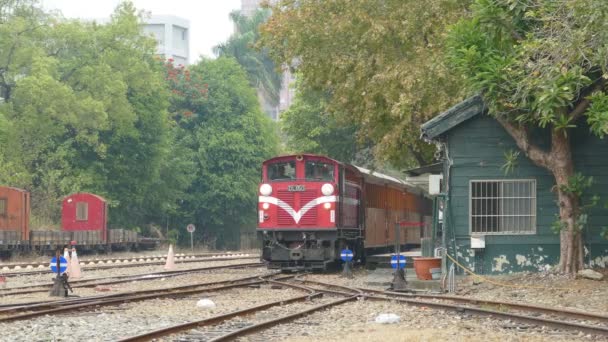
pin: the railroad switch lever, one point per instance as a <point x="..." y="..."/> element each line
<point x="66" y="284"/>
<point x="399" y="283"/>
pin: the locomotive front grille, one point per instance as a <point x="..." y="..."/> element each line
<point x="297" y="200"/>
<point x="283" y="217"/>
<point x="310" y="218"/>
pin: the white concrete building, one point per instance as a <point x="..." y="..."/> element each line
<point x="172" y="35"/>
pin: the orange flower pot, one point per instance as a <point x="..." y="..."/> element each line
<point x="423" y="266"/>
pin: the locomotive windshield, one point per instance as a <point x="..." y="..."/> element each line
<point x="282" y="170"/>
<point x="319" y="171"/>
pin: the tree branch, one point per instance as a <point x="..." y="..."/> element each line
<point x="417" y="155"/>
<point x="582" y="106"/>
<point x="520" y="135"/>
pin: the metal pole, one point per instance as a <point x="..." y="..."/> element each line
<point x="397" y="247"/>
<point x="58" y="257"/>
<point x="444" y="230"/>
<point x="399" y="282"/>
<point x="192" y="241"/>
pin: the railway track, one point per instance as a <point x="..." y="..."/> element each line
<point x="45" y="263"/>
<point x="112" y="280"/>
<point x="566" y="319"/>
<point x="229" y="326"/>
<point x="16" y="312"/>
<point x="100" y="265"/>
<point x="232" y="325"/>
<point x="156" y="257"/>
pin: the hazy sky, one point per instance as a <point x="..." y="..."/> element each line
<point x="209" y="21"/>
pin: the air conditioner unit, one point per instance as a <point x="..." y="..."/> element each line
<point x="435" y="184"/>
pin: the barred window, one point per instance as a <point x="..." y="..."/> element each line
<point x="82" y="211"/>
<point x="3" y="208"/>
<point x="503" y="207"/>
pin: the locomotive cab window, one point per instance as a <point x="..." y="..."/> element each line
<point x="82" y="211"/>
<point x="319" y="171"/>
<point x="3" y="207"/>
<point x="282" y="171"/>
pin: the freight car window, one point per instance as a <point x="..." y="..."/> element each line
<point x="2" y="206"/>
<point x="282" y="171"/>
<point x="316" y="170"/>
<point x="82" y="211"/>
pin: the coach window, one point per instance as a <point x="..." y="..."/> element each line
<point x="320" y="171"/>
<point x="282" y="170"/>
<point x="82" y="211"/>
<point x="2" y="206"/>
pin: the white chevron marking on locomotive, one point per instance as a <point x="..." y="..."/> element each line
<point x="297" y="215"/>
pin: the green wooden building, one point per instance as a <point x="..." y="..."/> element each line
<point x="497" y="222"/>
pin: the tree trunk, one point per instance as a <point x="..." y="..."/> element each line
<point x="559" y="162"/>
<point x="571" y="244"/>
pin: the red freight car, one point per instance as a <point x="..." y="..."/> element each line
<point x="85" y="215"/>
<point x="311" y="207"/>
<point x="14" y="217"/>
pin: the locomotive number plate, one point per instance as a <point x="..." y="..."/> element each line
<point x="296" y="188"/>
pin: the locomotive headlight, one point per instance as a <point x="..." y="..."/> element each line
<point x="327" y="189"/>
<point x="327" y="205"/>
<point x="265" y="206"/>
<point x="265" y="189"/>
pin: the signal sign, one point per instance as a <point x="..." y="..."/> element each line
<point x="63" y="265"/>
<point x="190" y="228"/>
<point x="346" y="255"/>
<point x="398" y="261"/>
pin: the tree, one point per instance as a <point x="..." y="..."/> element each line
<point x="309" y="128"/>
<point x="541" y="64"/>
<point x="86" y="106"/>
<point x="228" y="137"/>
<point x="379" y="61"/>
<point x="261" y="70"/>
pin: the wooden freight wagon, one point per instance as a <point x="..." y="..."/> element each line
<point x="49" y="239"/>
<point x="14" y="214"/>
<point x="388" y="200"/>
<point x="85" y="212"/>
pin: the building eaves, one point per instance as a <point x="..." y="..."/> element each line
<point x="452" y="117"/>
<point x="434" y="169"/>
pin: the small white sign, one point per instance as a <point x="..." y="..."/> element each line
<point x="190" y="228"/>
<point x="478" y="242"/>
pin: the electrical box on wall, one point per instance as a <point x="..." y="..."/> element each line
<point x="478" y="242"/>
<point x="435" y="184"/>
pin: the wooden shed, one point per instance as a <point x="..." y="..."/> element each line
<point x="84" y="212"/>
<point x="14" y="214"/>
<point x="497" y="222"/>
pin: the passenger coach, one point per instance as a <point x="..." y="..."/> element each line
<point x="311" y="207"/>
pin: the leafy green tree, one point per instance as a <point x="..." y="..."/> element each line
<point x="228" y="138"/>
<point x="309" y="128"/>
<point x="86" y="106"/>
<point x="541" y="63"/>
<point x="261" y="70"/>
<point x="380" y="62"/>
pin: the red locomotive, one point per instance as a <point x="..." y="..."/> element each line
<point x="311" y="207"/>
